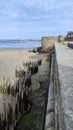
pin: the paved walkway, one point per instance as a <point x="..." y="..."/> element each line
<point x="64" y="57"/>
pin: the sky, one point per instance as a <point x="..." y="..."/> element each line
<point x="32" y="19"/>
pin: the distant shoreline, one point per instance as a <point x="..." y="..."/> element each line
<point x="16" y="41"/>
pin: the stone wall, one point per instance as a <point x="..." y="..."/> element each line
<point x="61" y="38"/>
<point x="48" y="41"/>
<point x="50" y="111"/>
<point x="59" y="112"/>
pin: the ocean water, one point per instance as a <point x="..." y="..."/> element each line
<point x="19" y="44"/>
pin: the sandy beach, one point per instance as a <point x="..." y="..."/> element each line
<point x="10" y="59"/>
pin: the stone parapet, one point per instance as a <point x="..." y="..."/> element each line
<point x="70" y="45"/>
<point x="50" y="111"/>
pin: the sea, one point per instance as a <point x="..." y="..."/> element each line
<point x="25" y="45"/>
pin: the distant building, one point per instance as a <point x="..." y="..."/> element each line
<point x="69" y="36"/>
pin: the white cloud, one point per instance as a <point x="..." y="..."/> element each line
<point x="13" y="14"/>
<point x="44" y="8"/>
<point x="48" y="4"/>
<point x="56" y="13"/>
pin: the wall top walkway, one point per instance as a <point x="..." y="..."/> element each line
<point x="64" y="57"/>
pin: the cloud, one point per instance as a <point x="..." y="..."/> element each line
<point x="43" y="9"/>
<point x="41" y="16"/>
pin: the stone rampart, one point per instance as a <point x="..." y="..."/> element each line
<point x="61" y="38"/>
<point x="48" y="41"/>
<point x="60" y="94"/>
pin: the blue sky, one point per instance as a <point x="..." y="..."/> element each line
<point x="32" y="19"/>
